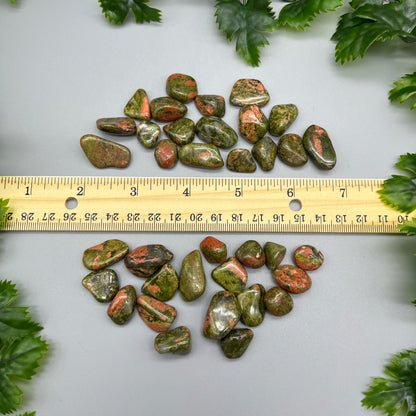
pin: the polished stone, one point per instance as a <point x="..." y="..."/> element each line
<point x="176" y="341"/>
<point x="241" y="160"/>
<point x="214" y="130"/>
<point x="249" y="91"/>
<point x="166" y="154"/>
<point x="102" y="284"/>
<point x="122" y="126"/>
<point x="147" y="133"/>
<point x="138" y="106"/>
<point x="308" y="257"/>
<point x="122" y="306"/>
<point x="319" y="147"/>
<point x="163" y="284"/>
<point x="104" y="254"/>
<point x="210" y="105"/>
<point x="181" y="131"/>
<point x="192" y="279"/>
<point x="264" y="153"/>
<point x="235" y="344"/>
<point x="231" y="275"/>
<point x="292" y="278"/>
<point x="252" y="123"/>
<point x="167" y="109"/>
<point x="275" y="253"/>
<point x="214" y="250"/>
<point x="157" y="315"/>
<point x="281" y="117"/>
<point x="251" y="305"/>
<point x="291" y="151"/>
<point x="251" y="254"/>
<point x="201" y="155"/>
<point x="277" y="301"/>
<point x="181" y="87"/>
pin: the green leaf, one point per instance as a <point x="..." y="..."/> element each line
<point x="246" y="22"/>
<point x="3" y="208"/>
<point x="408" y="163"/>
<point x="408" y="227"/>
<point x="116" y="11"/>
<point x="300" y="13"/>
<point x="389" y="395"/>
<point x="15" y="322"/>
<point x="399" y="192"/>
<point x="18" y="359"/>
<point x="358" y="30"/>
<point x="404" y="89"/>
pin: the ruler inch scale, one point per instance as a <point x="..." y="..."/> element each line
<point x="173" y="204"/>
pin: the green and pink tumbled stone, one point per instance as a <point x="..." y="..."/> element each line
<point x="157" y="315"/>
<point x="138" y="106"/>
<point x="292" y="278"/>
<point x="274" y="254"/>
<point x="214" y="250"/>
<point x="291" y="151"/>
<point x="277" y="301"/>
<point x="308" y="258"/>
<point x="253" y="123"/>
<point x="201" y="155"/>
<point x="249" y="91"/>
<point x="235" y="344"/>
<point x="181" y="87"/>
<point x="167" y="109"/>
<point x="319" y="146"/>
<point x="231" y="275"/>
<point x="210" y="105"/>
<point x="264" y="153"/>
<point x="166" y="153"/>
<point x="104" y="254"/>
<point x="240" y="160"/>
<point x="251" y="254"/>
<point x="281" y="117"/>
<point x="122" y="126"/>
<point x="122" y="306"/>
<point x="181" y="131"/>
<point x="251" y="305"/>
<point x="192" y="279"/>
<point x="222" y="315"/>
<point x="214" y="130"/>
<point x="102" y="284"/>
<point x="148" y="133"/>
<point x="103" y="153"/>
<point x="176" y="341"/>
<point x="163" y="284"/>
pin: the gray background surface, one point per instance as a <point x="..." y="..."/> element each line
<point x="62" y="67"/>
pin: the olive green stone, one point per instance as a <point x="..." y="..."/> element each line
<point x="192" y="276"/>
<point x="177" y="341"/>
<point x="148" y="133"/>
<point x="166" y="153"/>
<point x="253" y="123"/>
<point x="102" y="284"/>
<point x="235" y="344"/>
<point x="123" y="126"/>
<point x="251" y="254"/>
<point x="201" y="155"/>
<point x="181" y="131"/>
<point x="240" y="160"/>
<point x="163" y="284"/>
<point x="308" y="257"/>
<point x="251" y="305"/>
<point x="216" y="131"/>
<point x="138" y="106"/>
<point x="231" y="275"/>
<point x="291" y="151"/>
<point x="122" y="306"/>
<point x="167" y="109"/>
<point x="214" y="250"/>
<point x="277" y="301"/>
<point x="181" y="87"/>
<point x="222" y="315"/>
<point x="104" y="254"/>
<point x="157" y="315"/>
<point x="274" y="254"/>
<point x="249" y="91"/>
<point x="281" y="117"/>
<point x="210" y="105"/>
<point x="264" y="153"/>
<point x="319" y="146"/>
<point x="103" y="153"/>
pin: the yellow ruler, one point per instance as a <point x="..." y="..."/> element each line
<point x="46" y="203"/>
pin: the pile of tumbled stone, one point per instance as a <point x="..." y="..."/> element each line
<point x="249" y="94"/>
<point x="227" y="307"/>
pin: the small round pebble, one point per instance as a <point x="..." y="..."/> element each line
<point x="308" y="258"/>
<point x="251" y="254"/>
<point x="166" y="154"/>
<point x="214" y="250"/>
<point x="277" y="301"/>
<point x="292" y="278"/>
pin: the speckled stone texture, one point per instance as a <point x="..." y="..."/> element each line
<point x="275" y="253"/>
<point x="249" y="91"/>
<point x="122" y="126"/>
<point x="192" y="276"/>
<point x="201" y="155"/>
<point x="251" y="254"/>
<point x="181" y="131"/>
<point x="181" y="87"/>
<point x="148" y="133"/>
<point x="251" y="305"/>
<point x="122" y="306"/>
<point x="157" y="315"/>
<point x="138" y="106"/>
<point x="210" y="105"/>
<point x="231" y="275"/>
<point x="319" y="147"/>
<point x="308" y="257"/>
<point x="167" y="109"/>
<point x="252" y="123"/>
<point x="291" y="151"/>
<point x="102" y="284"/>
<point x="235" y="344"/>
<point x="281" y="117"/>
<point x="104" y="254"/>
<point x="176" y="341"/>
<point x="277" y="301"/>
<point x="214" y="250"/>
<point x="292" y="278"/>
<point x="216" y="131"/>
<point x="240" y="160"/>
<point x="166" y="154"/>
<point x="264" y="153"/>
<point x="163" y="284"/>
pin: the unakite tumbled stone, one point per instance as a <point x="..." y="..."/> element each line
<point x="231" y="275"/>
<point x="249" y="91"/>
<point x="277" y="301"/>
<point x="145" y="260"/>
<point x="122" y="306"/>
<point x="292" y="278"/>
<point x="166" y="154"/>
<point x="251" y="254"/>
<point x="157" y="315"/>
<point x="104" y="254"/>
<point x="308" y="257"/>
<point x="214" y="250"/>
<point x="216" y="131"/>
<point x="192" y="276"/>
<point x="177" y="341"/>
<point x="138" y="106"/>
<point x="210" y="105"/>
<point x="274" y="254"/>
<point x="253" y="123"/>
<point x="103" y="153"/>
<point x="235" y="344"/>
<point x="181" y="131"/>
<point x="264" y="152"/>
<point x="122" y="126"/>
<point x="240" y="160"/>
<point x="291" y="151"/>
<point x="201" y="155"/>
<point x="319" y="146"/>
<point x="148" y="133"/>
<point x="163" y="284"/>
<point x="281" y="117"/>
<point x="102" y="284"/>
<point x="251" y="305"/>
<point x="181" y="87"/>
<point x="167" y="109"/>
<point x="222" y="315"/>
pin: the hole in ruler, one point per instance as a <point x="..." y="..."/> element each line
<point x="71" y="203"/>
<point x="295" y="205"/>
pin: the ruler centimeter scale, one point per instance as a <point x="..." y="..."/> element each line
<point x="62" y="203"/>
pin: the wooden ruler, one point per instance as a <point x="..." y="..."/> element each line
<point x="39" y="203"/>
